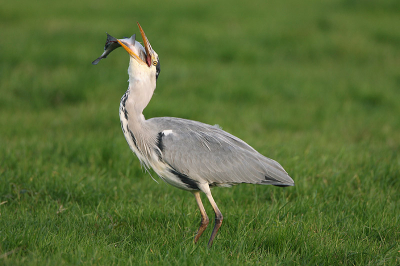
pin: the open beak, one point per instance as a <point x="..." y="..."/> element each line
<point x="150" y="57"/>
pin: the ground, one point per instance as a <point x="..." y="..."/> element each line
<point x="314" y="85"/>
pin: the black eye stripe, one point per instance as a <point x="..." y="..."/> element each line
<point x="158" y="68"/>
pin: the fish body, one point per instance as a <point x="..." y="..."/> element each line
<point x="111" y="44"/>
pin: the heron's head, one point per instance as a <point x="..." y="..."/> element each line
<point x="144" y="60"/>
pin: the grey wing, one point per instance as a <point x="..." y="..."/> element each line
<point x="208" y="154"/>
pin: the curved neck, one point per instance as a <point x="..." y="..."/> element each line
<point x="141" y="88"/>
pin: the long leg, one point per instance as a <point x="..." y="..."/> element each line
<point x="204" y="217"/>
<point x="218" y="218"/>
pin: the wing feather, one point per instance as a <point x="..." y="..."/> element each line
<point x="208" y="154"/>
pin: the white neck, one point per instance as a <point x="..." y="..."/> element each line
<point x="139" y="93"/>
<point x="141" y="88"/>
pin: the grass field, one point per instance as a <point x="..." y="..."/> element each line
<point x="314" y="85"/>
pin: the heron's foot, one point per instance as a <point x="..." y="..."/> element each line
<point x="203" y="226"/>
<point x="218" y="222"/>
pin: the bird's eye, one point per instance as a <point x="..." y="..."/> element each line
<point x="154" y="63"/>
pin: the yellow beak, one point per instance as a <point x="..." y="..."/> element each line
<point x="149" y="51"/>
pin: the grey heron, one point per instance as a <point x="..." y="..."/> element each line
<point x="187" y="154"/>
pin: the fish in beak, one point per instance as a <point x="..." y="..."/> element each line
<point x="145" y="56"/>
<point x="150" y="57"/>
<point x="111" y="44"/>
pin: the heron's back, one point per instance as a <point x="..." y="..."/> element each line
<point x="206" y="154"/>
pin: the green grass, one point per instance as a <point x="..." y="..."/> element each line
<point x="312" y="84"/>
